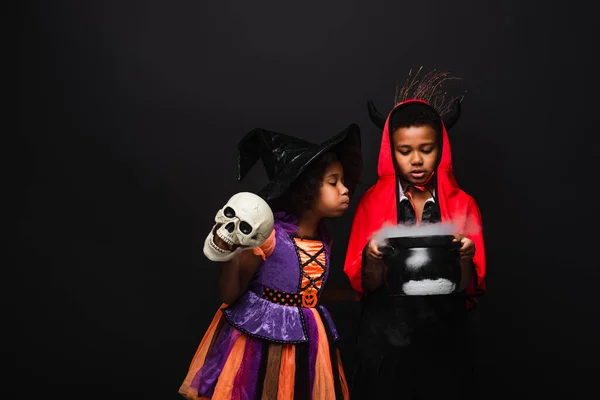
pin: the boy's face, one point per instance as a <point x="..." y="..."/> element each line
<point x="415" y="152"/>
<point x="333" y="199"/>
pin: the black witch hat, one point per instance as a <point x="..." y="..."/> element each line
<point x="429" y="89"/>
<point x="286" y="157"/>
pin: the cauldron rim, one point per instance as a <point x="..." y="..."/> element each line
<point x="406" y="242"/>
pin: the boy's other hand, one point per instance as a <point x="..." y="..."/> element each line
<point x="467" y="250"/>
<point x="373" y="249"/>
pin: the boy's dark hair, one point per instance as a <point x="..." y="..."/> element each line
<point x="416" y="114"/>
<point x="304" y="190"/>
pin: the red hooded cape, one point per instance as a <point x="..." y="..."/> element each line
<point x="378" y="207"/>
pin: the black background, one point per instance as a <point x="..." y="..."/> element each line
<point x="128" y="117"/>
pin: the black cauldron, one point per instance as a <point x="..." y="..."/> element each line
<point x="422" y="265"/>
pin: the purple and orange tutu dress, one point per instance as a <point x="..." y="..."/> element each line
<point x="276" y="341"/>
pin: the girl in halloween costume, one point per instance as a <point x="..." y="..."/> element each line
<point x="414" y="346"/>
<point x="272" y="339"/>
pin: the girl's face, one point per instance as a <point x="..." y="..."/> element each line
<point x="333" y="198"/>
<point x="415" y="152"/>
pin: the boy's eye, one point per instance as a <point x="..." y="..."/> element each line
<point x="333" y="183"/>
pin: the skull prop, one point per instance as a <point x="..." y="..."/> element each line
<point x="245" y="222"/>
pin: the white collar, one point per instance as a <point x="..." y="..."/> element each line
<point x="402" y="196"/>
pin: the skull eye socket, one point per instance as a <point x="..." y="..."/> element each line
<point x="245" y="228"/>
<point x="228" y="212"/>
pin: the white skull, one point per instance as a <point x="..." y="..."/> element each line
<point x="245" y="222"/>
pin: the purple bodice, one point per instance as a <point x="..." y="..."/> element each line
<point x="261" y="318"/>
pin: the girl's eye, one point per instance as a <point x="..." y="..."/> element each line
<point x="404" y="153"/>
<point x="427" y="151"/>
<point x="333" y="183"/>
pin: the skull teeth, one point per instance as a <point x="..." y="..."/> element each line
<point x="217" y="248"/>
<point x="225" y="239"/>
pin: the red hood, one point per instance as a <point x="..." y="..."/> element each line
<point x="378" y="207"/>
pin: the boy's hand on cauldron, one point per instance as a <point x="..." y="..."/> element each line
<point x="373" y="249"/>
<point x="467" y="250"/>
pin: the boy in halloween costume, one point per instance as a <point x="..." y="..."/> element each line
<point x="272" y="339"/>
<point x="414" y="346"/>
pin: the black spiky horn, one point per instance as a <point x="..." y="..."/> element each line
<point x="451" y="117"/>
<point x="375" y="116"/>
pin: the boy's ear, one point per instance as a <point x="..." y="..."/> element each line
<point x="376" y="118"/>
<point x="452" y="116"/>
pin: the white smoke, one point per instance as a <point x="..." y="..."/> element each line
<point x="416" y="260"/>
<point x="428" y="287"/>
<point x="414" y="231"/>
